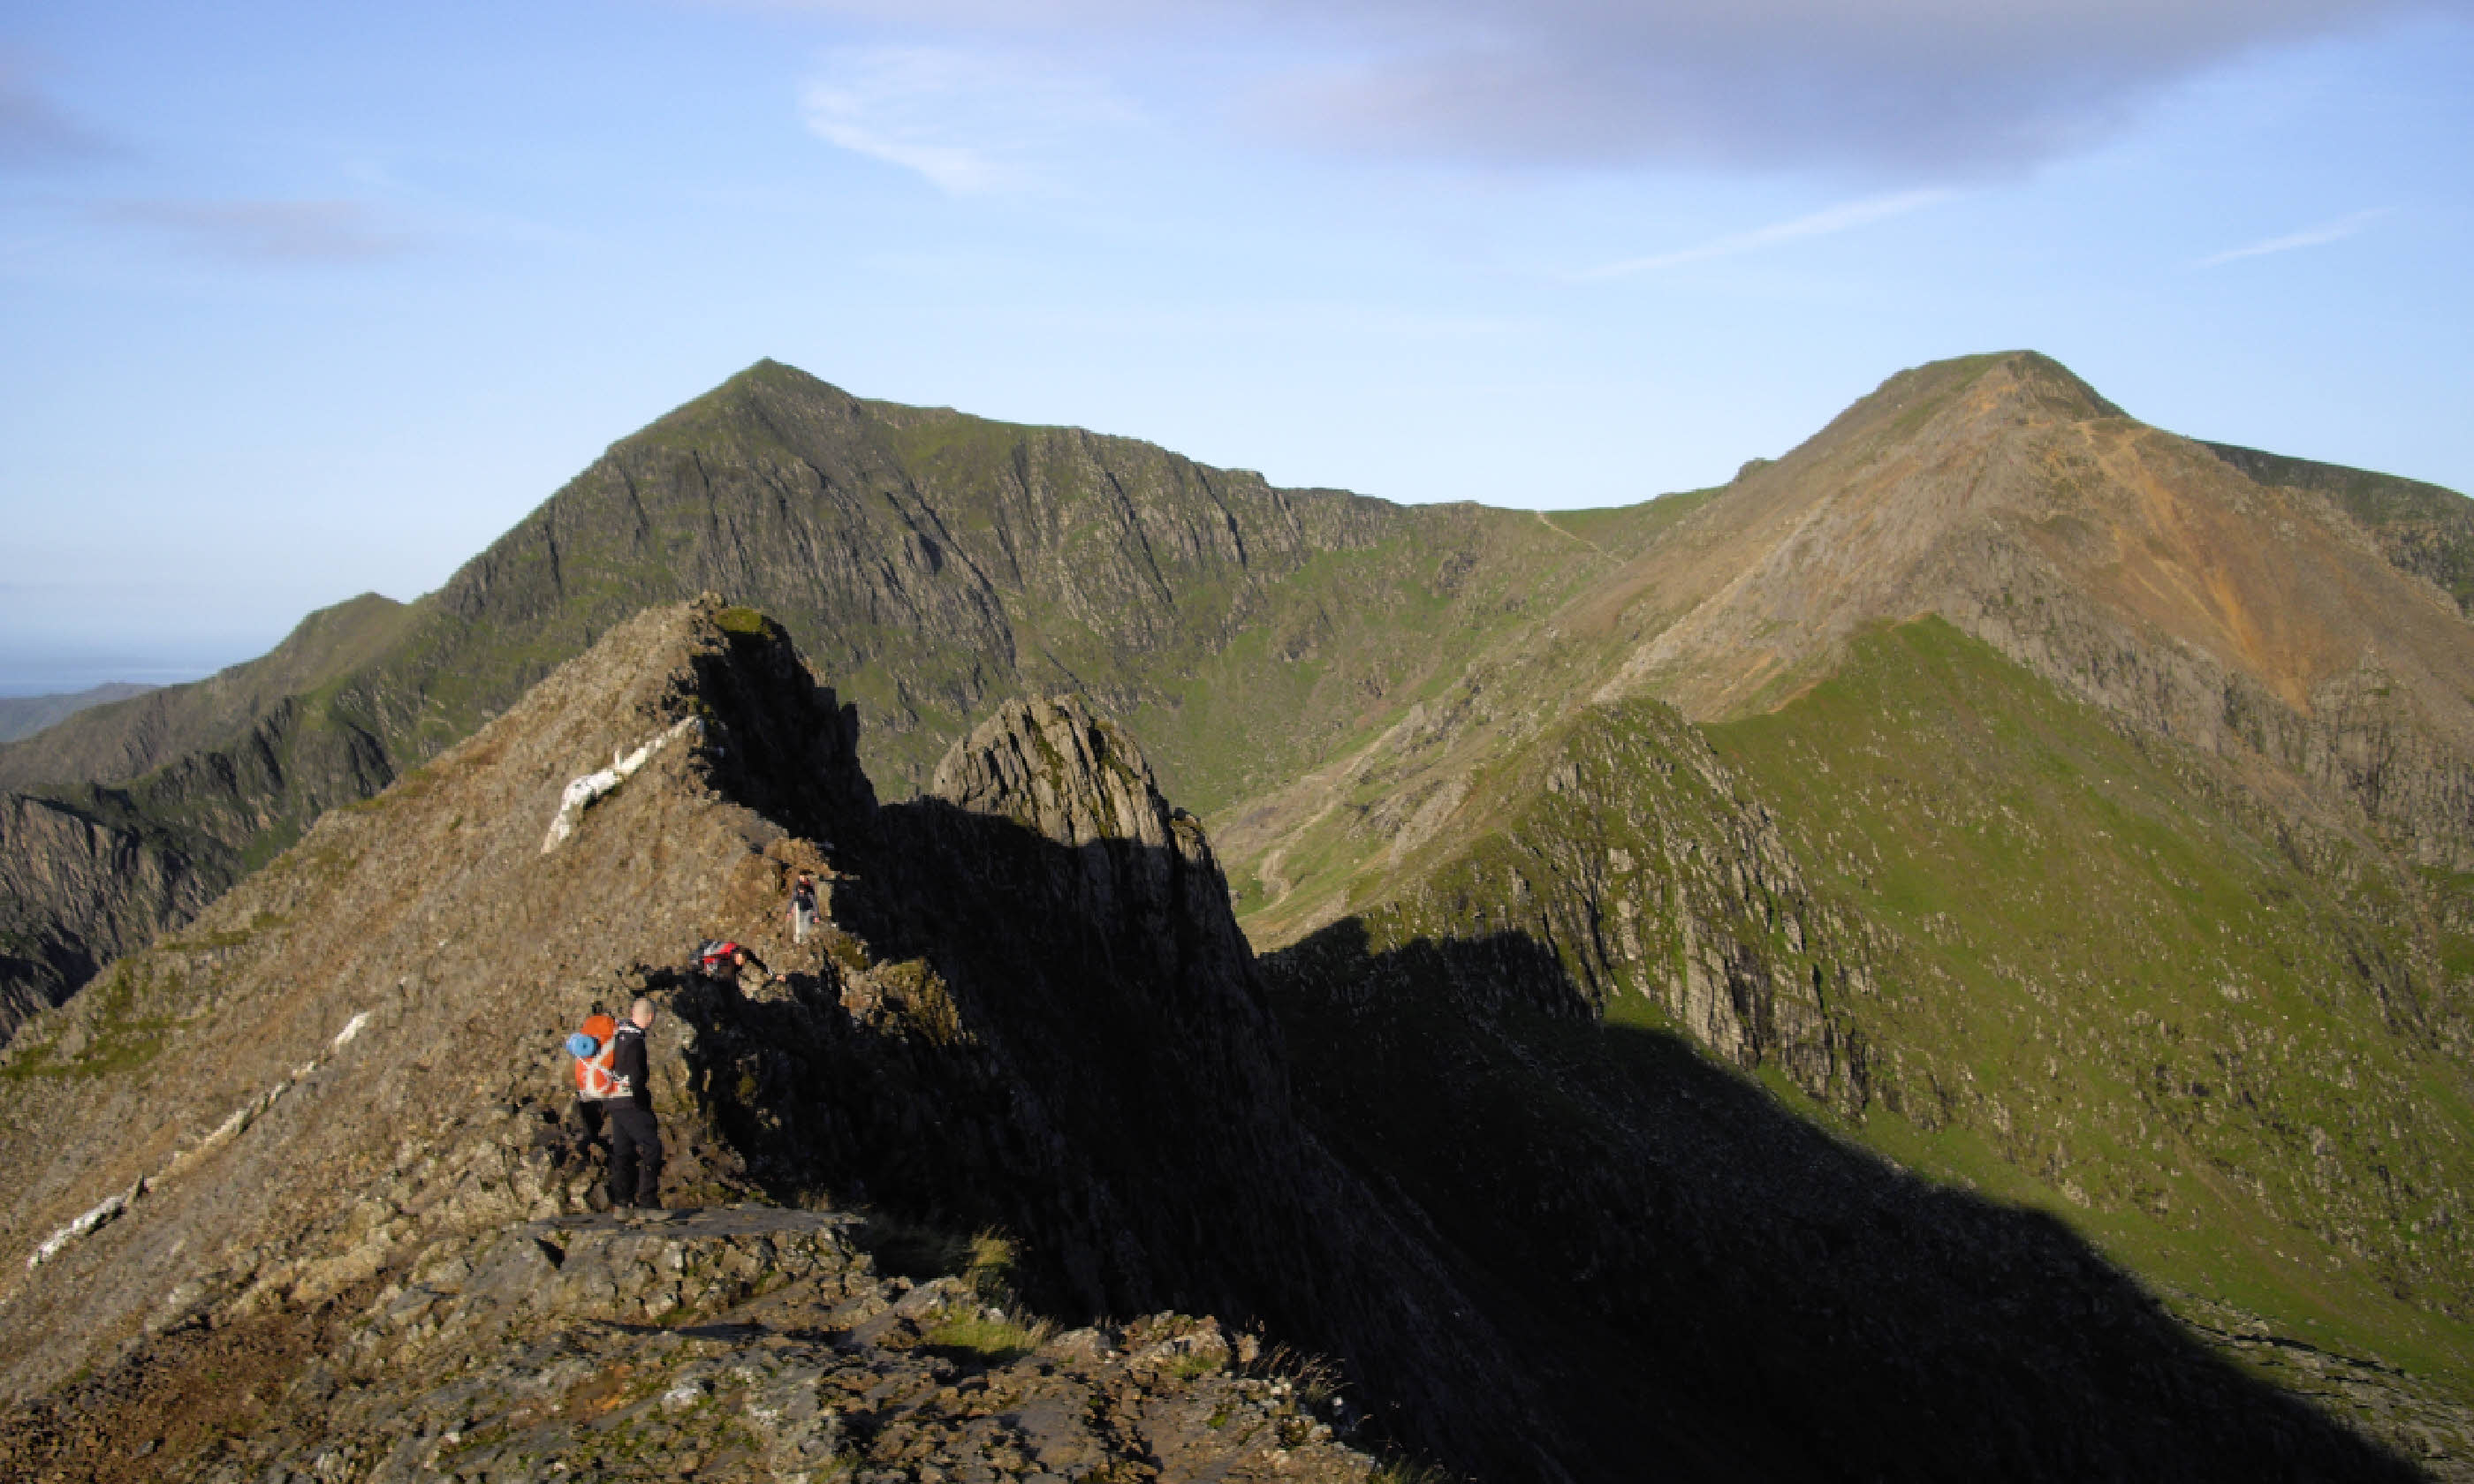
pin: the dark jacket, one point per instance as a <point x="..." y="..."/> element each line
<point x="627" y="1060"/>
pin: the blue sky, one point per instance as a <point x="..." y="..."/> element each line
<point x="305" y="300"/>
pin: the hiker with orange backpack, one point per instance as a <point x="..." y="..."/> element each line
<point x="614" y="1084"/>
<point x="596" y="1084"/>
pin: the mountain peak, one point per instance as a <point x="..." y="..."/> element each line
<point x="2011" y="387"/>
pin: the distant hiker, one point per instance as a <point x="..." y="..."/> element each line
<point x="635" y="1138"/>
<point x="753" y="976"/>
<point x="724" y="962"/>
<point x="596" y="1082"/>
<point x="803" y="907"/>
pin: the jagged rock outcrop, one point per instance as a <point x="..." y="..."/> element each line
<point x="1074" y="779"/>
<point x="344" y="1082"/>
<point x="276" y="1161"/>
<point x="1642" y="866"/>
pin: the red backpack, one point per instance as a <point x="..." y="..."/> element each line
<point x="595" y="1081"/>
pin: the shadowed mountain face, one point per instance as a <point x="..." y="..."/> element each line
<point x="319" y="1138"/>
<point x="1730" y="1290"/>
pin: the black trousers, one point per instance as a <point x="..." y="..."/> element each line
<point x="635" y="1154"/>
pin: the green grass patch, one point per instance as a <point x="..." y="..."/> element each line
<point x="745" y="622"/>
<point x="989" y="1341"/>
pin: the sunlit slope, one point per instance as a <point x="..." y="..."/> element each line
<point x="2291" y="628"/>
<point x="2138" y="570"/>
<point x="2240" y="1046"/>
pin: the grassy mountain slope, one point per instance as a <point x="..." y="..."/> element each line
<point x="2244" y="1052"/>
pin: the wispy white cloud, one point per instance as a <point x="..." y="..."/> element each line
<point x="1844" y="217"/>
<point x="267" y="231"/>
<point x="2336" y="230"/>
<point x="1913" y="90"/>
<point x="971" y="122"/>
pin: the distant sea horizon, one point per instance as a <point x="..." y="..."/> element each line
<point x="19" y="682"/>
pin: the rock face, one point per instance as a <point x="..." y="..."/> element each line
<point x="1088" y="1062"/>
<point x="342" y="1057"/>
<point x="1644" y="867"/>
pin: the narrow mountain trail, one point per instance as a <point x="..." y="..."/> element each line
<point x="1317" y="795"/>
<point x="1576" y="537"/>
<point x="1268" y="872"/>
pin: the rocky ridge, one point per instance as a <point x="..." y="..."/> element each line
<point x="306" y="1126"/>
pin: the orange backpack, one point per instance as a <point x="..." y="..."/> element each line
<point x="595" y="1081"/>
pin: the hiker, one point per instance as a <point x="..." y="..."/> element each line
<point x="634" y="1138"/>
<point x="723" y="962"/>
<point x="753" y="975"/>
<point x="595" y="1082"/>
<point x="803" y="907"/>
